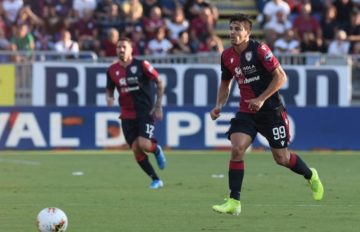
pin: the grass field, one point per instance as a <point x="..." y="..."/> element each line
<point x="113" y="193"/>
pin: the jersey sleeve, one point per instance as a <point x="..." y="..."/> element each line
<point x="109" y="82"/>
<point x="225" y="73"/>
<point x="149" y="71"/>
<point x="267" y="58"/>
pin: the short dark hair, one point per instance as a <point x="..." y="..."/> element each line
<point x="124" y="38"/>
<point x="242" y="18"/>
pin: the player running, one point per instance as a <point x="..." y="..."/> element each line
<point x="132" y="78"/>
<point x="259" y="77"/>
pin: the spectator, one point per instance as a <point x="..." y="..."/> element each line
<point x="339" y="46"/>
<point x="177" y="24"/>
<point x="182" y="44"/>
<point x="5" y="45"/>
<point x="356" y="51"/>
<point x="354" y="31"/>
<point x="87" y="33"/>
<point x="82" y="6"/>
<point x="26" y="16"/>
<point x="274" y="29"/>
<point x="23" y="41"/>
<point x="328" y="25"/>
<point x="4" y="26"/>
<point x="212" y="44"/>
<point x="287" y="44"/>
<point x="160" y="45"/>
<point x="148" y="5"/>
<point x="201" y="27"/>
<point x="168" y="7"/>
<point x="60" y="10"/>
<point x="193" y="9"/>
<point x="112" y="19"/>
<point x="4" y="42"/>
<point x="108" y="45"/>
<point x="138" y="40"/>
<point x="308" y="43"/>
<point x="10" y="10"/>
<point x="305" y="22"/>
<point x="344" y="9"/>
<point x="102" y="9"/>
<point x="132" y="9"/>
<point x="66" y="44"/>
<point x="38" y="6"/>
<point x="154" y="22"/>
<point x="272" y="7"/>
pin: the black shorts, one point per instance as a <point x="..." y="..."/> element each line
<point x="273" y="125"/>
<point x="133" y="128"/>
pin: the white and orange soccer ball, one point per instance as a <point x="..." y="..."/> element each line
<point x="51" y="220"/>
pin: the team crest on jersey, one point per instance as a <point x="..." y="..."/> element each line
<point x="133" y="69"/>
<point x="248" y="56"/>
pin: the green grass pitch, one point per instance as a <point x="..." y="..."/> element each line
<point x="113" y="193"/>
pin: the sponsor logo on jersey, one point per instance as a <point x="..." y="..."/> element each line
<point x="132" y="80"/>
<point x="129" y="89"/>
<point x="241" y="81"/>
<point x="249" y="69"/>
<point x="232" y="60"/>
<point x="117" y="73"/>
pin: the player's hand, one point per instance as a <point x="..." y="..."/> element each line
<point x="157" y="113"/>
<point x="255" y="104"/>
<point x="215" y="113"/>
<point x="110" y="101"/>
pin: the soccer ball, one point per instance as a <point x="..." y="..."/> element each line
<point x="51" y="220"/>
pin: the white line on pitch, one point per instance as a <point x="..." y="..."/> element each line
<point x="13" y="161"/>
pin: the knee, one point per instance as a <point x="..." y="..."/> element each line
<point x="238" y="151"/>
<point x="281" y="160"/>
<point x="142" y="145"/>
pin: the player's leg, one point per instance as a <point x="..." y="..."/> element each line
<point x="275" y="127"/>
<point x="148" y="143"/>
<point x="239" y="144"/>
<point x="151" y="145"/>
<point x="143" y="161"/>
<point x="130" y="130"/>
<point x="241" y="134"/>
<point x="296" y="164"/>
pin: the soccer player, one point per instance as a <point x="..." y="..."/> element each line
<point x="259" y="77"/>
<point x="133" y="78"/>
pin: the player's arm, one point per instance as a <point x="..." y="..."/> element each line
<point x="157" y="111"/>
<point x="278" y="80"/>
<point x="222" y="96"/>
<point x="151" y="73"/>
<point x="278" y="77"/>
<point x="110" y="87"/>
<point x="223" y="91"/>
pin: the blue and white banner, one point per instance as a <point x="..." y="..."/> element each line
<point x="83" y="84"/>
<point x="38" y="128"/>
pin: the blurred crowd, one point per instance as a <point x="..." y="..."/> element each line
<point x="156" y="27"/>
<point x="326" y="26"/>
<point x="160" y="27"/>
